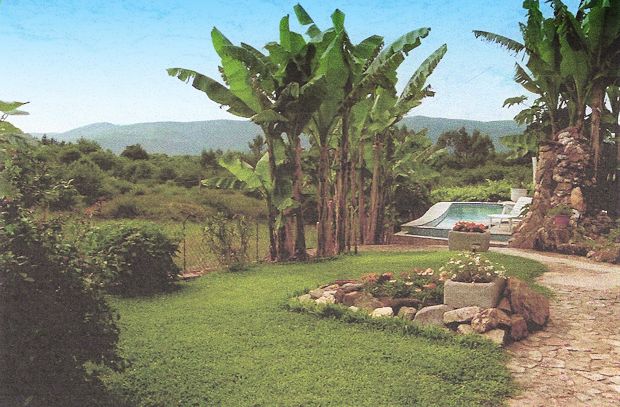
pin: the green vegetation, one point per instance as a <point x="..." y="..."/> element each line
<point x="227" y="339"/>
<point x="57" y="330"/>
<point x="133" y="259"/>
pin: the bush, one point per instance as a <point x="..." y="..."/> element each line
<point x="87" y="179"/>
<point x="228" y="239"/>
<point x="137" y="259"/>
<point x="492" y="191"/>
<point x="56" y="329"/>
<point x="62" y="197"/>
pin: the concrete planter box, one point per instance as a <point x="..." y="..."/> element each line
<point x="469" y="241"/>
<point x="483" y="295"/>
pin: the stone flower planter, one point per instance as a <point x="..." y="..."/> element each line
<point x="483" y="295"/>
<point x="469" y="241"/>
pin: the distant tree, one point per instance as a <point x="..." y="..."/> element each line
<point x="208" y="159"/>
<point x="465" y="151"/>
<point x="106" y="160"/>
<point x="135" y="152"/>
<point x="87" y="146"/>
<point x="257" y="147"/>
<point x="69" y="154"/>
<point x="87" y="178"/>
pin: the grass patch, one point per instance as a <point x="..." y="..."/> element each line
<point x="227" y="339"/>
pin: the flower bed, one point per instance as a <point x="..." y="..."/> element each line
<point x="424" y="296"/>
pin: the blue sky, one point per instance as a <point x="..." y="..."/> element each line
<point x="81" y="61"/>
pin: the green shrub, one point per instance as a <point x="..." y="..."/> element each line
<point x="62" y="197"/>
<point x="491" y="191"/>
<point x="57" y="331"/>
<point x="87" y="178"/>
<point x="137" y="259"/>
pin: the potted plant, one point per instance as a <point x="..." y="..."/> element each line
<point x="518" y="191"/>
<point x="561" y="215"/>
<point x="469" y="236"/>
<point x="472" y="280"/>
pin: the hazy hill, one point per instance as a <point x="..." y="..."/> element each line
<point x="191" y="137"/>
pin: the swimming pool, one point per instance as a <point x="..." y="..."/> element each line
<point x="441" y="217"/>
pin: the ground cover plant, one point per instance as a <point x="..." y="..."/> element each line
<point x="226" y="339"/>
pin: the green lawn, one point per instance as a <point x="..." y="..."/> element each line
<point x="226" y="339"/>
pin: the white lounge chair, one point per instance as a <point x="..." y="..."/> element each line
<point x="514" y="214"/>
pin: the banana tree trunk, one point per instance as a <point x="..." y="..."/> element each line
<point x="374" y="192"/>
<point x="280" y="237"/>
<point x="361" y="205"/>
<point x="342" y="185"/>
<point x="324" y="227"/>
<point x="271" y="225"/>
<point x="352" y="230"/>
<point x="300" y="237"/>
<point x="596" y="105"/>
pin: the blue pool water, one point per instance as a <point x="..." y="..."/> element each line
<point x="439" y="224"/>
<point x="472" y="212"/>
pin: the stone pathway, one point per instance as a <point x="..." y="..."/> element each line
<point x="575" y="361"/>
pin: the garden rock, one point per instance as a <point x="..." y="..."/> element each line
<point x="496" y="335"/>
<point x="432" y="315"/>
<point x="504" y="305"/>
<point x="488" y="319"/>
<point x="353" y="308"/>
<point x="398" y="303"/>
<point x="305" y="298"/>
<point x="382" y="312"/>
<point x="407" y="313"/>
<point x="339" y="296"/>
<point x="316" y="293"/>
<point x="533" y="307"/>
<point x="465" y="329"/>
<point x="518" y="327"/>
<point x="460" y="315"/>
<point x="350" y="287"/>
<point x="326" y="299"/>
<point x="350" y="298"/>
<point x="362" y="300"/>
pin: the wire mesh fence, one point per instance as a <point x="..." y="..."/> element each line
<point x="195" y="256"/>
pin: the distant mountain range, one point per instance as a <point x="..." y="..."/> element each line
<point x="175" y="138"/>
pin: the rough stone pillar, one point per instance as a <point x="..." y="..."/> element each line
<point x="564" y="176"/>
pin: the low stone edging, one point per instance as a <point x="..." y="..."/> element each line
<point x="519" y="312"/>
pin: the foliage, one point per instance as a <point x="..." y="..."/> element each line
<point x="136" y="259"/>
<point x="562" y="209"/>
<point x="57" y="330"/>
<point x="469" y="267"/>
<point x="491" y="191"/>
<point x="421" y="284"/>
<point x="135" y="152"/>
<point x="229" y="239"/>
<point x="87" y="178"/>
<point x="471" y="227"/>
<point x="464" y="150"/>
<point x="284" y="358"/>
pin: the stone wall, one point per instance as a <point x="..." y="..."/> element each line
<point x="564" y="176"/>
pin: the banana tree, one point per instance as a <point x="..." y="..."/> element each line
<point x="10" y="109"/>
<point x="590" y="48"/>
<point x="275" y="92"/>
<point x="353" y="72"/>
<point x="386" y="111"/>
